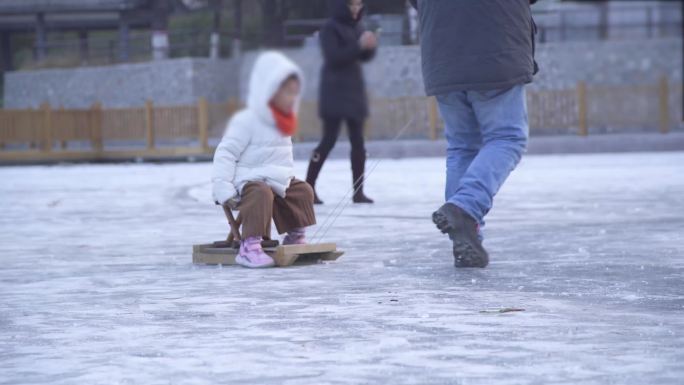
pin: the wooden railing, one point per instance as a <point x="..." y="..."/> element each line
<point x="101" y="134"/>
<point x="153" y="131"/>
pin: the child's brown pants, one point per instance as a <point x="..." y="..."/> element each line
<point x="259" y="204"/>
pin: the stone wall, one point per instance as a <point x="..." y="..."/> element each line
<point x="168" y="82"/>
<point x="627" y="62"/>
<point x="394" y="73"/>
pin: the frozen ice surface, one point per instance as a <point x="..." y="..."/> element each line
<point x="96" y="284"/>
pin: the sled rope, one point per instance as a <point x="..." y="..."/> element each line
<point x="332" y="217"/>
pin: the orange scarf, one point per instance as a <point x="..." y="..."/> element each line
<point x="287" y="123"/>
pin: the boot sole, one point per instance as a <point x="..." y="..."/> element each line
<point x="465" y="255"/>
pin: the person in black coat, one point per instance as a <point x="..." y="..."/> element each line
<point x="342" y="92"/>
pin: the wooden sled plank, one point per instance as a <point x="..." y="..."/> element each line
<point x="210" y="255"/>
<point x="284" y="256"/>
<point x="312" y="259"/>
<point x="287" y="255"/>
<point x="332" y="256"/>
<point x="236" y="244"/>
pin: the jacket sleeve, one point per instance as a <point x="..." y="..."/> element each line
<point x="336" y="54"/>
<point x="227" y="154"/>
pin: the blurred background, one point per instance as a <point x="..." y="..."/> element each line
<point x="110" y="79"/>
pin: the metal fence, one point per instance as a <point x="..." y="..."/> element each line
<point x="608" y="20"/>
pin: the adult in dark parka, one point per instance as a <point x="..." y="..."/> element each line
<point x="477" y="56"/>
<point x="342" y="93"/>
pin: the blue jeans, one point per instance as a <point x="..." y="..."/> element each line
<point x="487" y="133"/>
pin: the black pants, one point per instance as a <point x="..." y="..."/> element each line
<point x="331" y="131"/>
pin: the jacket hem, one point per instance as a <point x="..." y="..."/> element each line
<point x="445" y="89"/>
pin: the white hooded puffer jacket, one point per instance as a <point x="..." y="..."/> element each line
<point x="252" y="148"/>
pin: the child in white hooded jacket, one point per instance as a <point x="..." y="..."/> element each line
<point x="253" y="168"/>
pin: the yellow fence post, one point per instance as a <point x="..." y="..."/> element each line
<point x="432" y="116"/>
<point x="149" y="124"/>
<point x="203" y="122"/>
<point x="47" y="127"/>
<point x="582" y="108"/>
<point x="664" y="101"/>
<point x="96" y="127"/>
<point x="62" y="113"/>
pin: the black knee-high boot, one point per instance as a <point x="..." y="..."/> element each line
<point x="358" y="161"/>
<point x="331" y="130"/>
<point x="315" y="165"/>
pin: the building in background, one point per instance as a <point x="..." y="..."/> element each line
<point x="74" y="53"/>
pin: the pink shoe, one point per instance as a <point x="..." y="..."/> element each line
<point x="252" y="255"/>
<point x="295" y="237"/>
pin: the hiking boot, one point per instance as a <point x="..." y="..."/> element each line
<point x="463" y="232"/>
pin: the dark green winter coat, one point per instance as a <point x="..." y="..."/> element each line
<point x="475" y="44"/>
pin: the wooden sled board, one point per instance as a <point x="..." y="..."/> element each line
<point x="289" y="255"/>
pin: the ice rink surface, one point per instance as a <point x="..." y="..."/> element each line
<point x="97" y="285"/>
